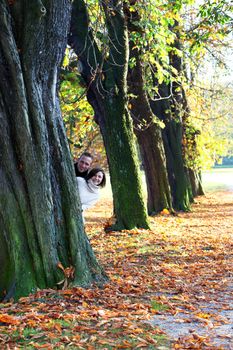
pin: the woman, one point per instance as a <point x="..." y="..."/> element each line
<point x="89" y="187"/>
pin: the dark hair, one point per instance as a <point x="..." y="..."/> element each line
<point x="86" y="154"/>
<point x="93" y="172"/>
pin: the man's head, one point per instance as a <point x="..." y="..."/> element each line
<point x="84" y="162"/>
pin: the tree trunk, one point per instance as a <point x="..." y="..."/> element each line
<point x="174" y="112"/>
<point x="196" y="183"/>
<point x="172" y="137"/>
<point x="40" y="216"/>
<point x="107" y="93"/>
<point x="150" y="141"/>
<point x="179" y="115"/>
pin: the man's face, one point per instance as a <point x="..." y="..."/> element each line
<point x="84" y="163"/>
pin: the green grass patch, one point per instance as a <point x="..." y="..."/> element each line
<point x="158" y="306"/>
<point x="26" y="335"/>
<point x="147" y="249"/>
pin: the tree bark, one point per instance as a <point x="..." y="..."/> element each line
<point x="107" y="93"/>
<point x="150" y="141"/>
<point x="196" y="183"/>
<point x="40" y="216"/>
<point x="168" y="112"/>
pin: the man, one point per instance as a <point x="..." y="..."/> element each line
<point x="83" y="164"/>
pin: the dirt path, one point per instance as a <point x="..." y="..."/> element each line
<point x="207" y="285"/>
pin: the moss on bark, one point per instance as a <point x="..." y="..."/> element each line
<point x="40" y="217"/>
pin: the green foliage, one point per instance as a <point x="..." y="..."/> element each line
<point x="202" y="29"/>
<point x="152" y="36"/>
<point x="208" y="27"/>
<point x="210" y="129"/>
<point x="216" y="11"/>
<point x="77" y="112"/>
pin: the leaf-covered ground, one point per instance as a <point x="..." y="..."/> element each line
<point x="169" y="288"/>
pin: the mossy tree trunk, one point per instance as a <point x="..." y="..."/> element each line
<point x="105" y="78"/>
<point x="150" y="140"/>
<point x="191" y="152"/>
<point x="173" y="111"/>
<point x="40" y="218"/>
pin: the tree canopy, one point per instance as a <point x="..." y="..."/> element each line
<point x="205" y="30"/>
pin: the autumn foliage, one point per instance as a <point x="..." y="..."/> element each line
<point x="176" y="269"/>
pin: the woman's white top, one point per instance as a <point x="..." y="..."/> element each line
<point x="88" y="192"/>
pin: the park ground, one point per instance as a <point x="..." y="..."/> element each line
<point x="169" y="287"/>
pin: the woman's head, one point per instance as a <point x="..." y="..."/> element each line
<point x="97" y="176"/>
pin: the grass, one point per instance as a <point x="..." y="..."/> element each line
<point x="158" y="306"/>
<point x="217" y="179"/>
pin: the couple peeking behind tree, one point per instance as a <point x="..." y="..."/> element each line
<point x="89" y="180"/>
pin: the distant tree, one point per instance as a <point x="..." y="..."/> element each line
<point x="207" y="42"/>
<point x="41" y="229"/>
<point x="170" y="114"/>
<point x="146" y="125"/>
<point x="158" y="51"/>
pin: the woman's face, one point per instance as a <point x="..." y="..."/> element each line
<point x="97" y="178"/>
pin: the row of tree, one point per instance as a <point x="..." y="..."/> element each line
<point x="42" y="238"/>
<point x="133" y="60"/>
